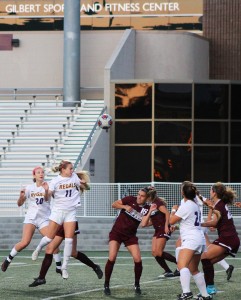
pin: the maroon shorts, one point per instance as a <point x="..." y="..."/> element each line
<point x="231" y="244"/>
<point x="60" y="231"/>
<point x="159" y="234"/>
<point x="122" y="238"/>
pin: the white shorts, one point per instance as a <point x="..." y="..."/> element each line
<point x="62" y="216"/>
<point x="39" y="223"/>
<point x="193" y="245"/>
<point x="205" y="230"/>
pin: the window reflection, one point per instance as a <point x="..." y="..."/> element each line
<point x="210" y="132"/>
<point x="132" y="132"/>
<point x="210" y="164"/>
<point x="236" y="101"/>
<point x="173" y="132"/>
<point x="235" y="164"/>
<point x="235" y="133"/>
<point x="211" y="101"/>
<point x="133" y="101"/>
<point x="132" y="164"/>
<point x="173" y="101"/>
<point x="172" y="163"/>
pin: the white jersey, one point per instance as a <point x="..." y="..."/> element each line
<point x="190" y="224"/>
<point x="38" y="207"/>
<point x="66" y="192"/>
<point x="199" y="203"/>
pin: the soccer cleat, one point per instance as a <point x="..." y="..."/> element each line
<point x="65" y="274"/>
<point x="107" y="290"/>
<point x="176" y="273"/>
<point x="35" y="254"/>
<point x="37" y="282"/>
<point x="98" y="271"/>
<point x="199" y="297"/>
<point x="211" y="289"/>
<point x="5" y="265"/>
<point x="229" y="272"/>
<point x="137" y="290"/>
<point x="185" y="296"/>
<point x="58" y="271"/>
<point x="168" y="274"/>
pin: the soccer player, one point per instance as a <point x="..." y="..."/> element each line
<point x="192" y="243"/>
<point x="47" y="261"/>
<point x="158" y="216"/>
<point x="228" y="241"/>
<point x="124" y="231"/>
<point x="37" y="215"/>
<point x="66" y="189"/>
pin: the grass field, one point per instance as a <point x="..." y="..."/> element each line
<point x="84" y="284"/>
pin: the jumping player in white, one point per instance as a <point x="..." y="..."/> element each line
<point x="37" y="214"/>
<point x="65" y="189"/>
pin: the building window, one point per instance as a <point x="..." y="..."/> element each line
<point x="131" y="132"/>
<point x="210" y="132"/>
<point x="173" y="101"/>
<point x="235" y="164"/>
<point x="133" y="164"/>
<point x="133" y="101"/>
<point x="173" y="132"/>
<point x="172" y="163"/>
<point x="236" y="102"/>
<point x="210" y="164"/>
<point x="211" y="101"/>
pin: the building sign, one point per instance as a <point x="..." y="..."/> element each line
<point x="107" y="14"/>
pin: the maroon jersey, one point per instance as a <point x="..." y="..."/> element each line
<point x="128" y="222"/>
<point x="225" y="226"/>
<point x="158" y="218"/>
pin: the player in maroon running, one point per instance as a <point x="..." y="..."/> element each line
<point x="228" y="241"/>
<point x="158" y="216"/>
<point x="124" y="231"/>
<point x="47" y="261"/>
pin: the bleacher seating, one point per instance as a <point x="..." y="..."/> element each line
<point x="36" y="133"/>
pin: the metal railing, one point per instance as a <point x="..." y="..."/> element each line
<point x="98" y="200"/>
<point x="33" y="93"/>
<point x="88" y="141"/>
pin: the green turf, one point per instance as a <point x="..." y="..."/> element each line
<point x="84" y="284"/>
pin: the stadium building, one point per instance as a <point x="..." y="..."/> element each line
<point x="168" y="72"/>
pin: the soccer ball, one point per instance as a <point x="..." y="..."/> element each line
<point x="105" y="121"/>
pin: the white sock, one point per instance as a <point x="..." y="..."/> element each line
<point x="68" y="243"/>
<point x="185" y="277"/>
<point x="44" y="241"/>
<point x="57" y="258"/>
<point x="200" y="283"/>
<point x="13" y="252"/>
<point x="223" y="264"/>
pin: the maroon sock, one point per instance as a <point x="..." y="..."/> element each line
<point x="85" y="260"/>
<point x="138" y="271"/>
<point x="45" y="265"/>
<point x="208" y="271"/>
<point x="169" y="257"/>
<point x="108" y="271"/>
<point x="161" y="261"/>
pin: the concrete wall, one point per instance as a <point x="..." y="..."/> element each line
<point x="171" y="56"/>
<point x="38" y="62"/>
<point x="100" y="153"/>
